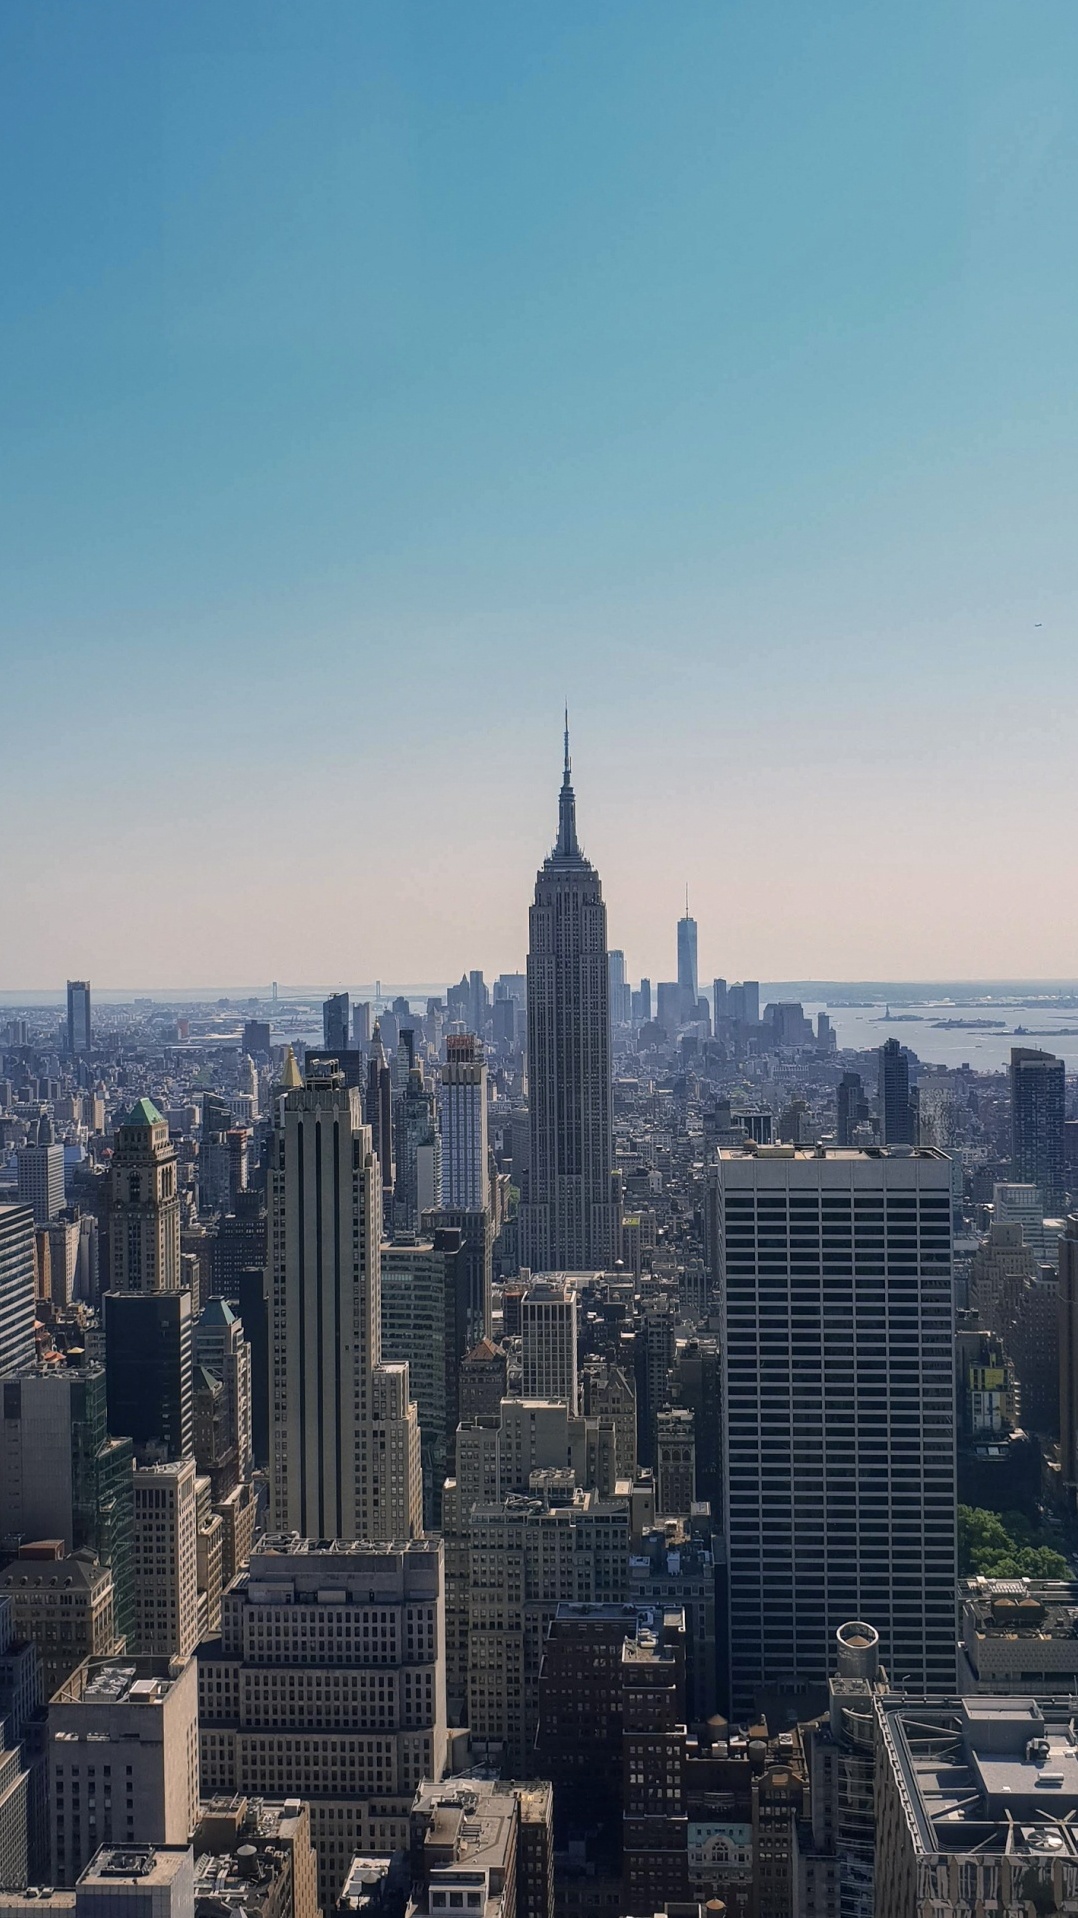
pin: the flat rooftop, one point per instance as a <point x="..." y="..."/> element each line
<point x="987" y="1774"/>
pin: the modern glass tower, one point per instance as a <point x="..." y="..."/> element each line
<point x="570" y="1220"/>
<point x="1038" y="1086"/>
<point x="688" y="982"/>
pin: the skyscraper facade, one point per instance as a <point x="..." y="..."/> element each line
<point x="571" y="1219"/>
<point x="897" y="1117"/>
<point x="144" y="1205"/>
<point x="463" y="1121"/>
<point x="79" y="1030"/>
<point x="838" y="1411"/>
<point x="41" y="1175"/>
<point x="687" y="975"/>
<point x="345" y="1442"/>
<point x="1038" y="1087"/>
<point x="16" y="1289"/>
<point x="335" y="1022"/>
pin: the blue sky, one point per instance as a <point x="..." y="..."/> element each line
<point x="372" y="376"/>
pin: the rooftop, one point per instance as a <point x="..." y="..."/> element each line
<point x="986" y="1774"/>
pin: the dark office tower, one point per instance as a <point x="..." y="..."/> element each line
<point x="378" y="1113"/>
<point x="63" y="1477"/>
<point x="653" y="1360"/>
<point x="361" y="1023"/>
<point x="250" y="1297"/>
<point x="148" y="1370"/>
<point x="475" y="1262"/>
<point x="642" y="1003"/>
<point x="837" y="1335"/>
<point x="688" y="984"/>
<point x="256" y="1040"/>
<point x="16" y="1289"/>
<point x="1068" y="1360"/>
<point x="239" y="1242"/>
<point x="852" y="1107"/>
<point x="335" y="1022"/>
<point x="144" y="1205"/>
<point x="1037" y="1117"/>
<point x="718" y="1001"/>
<point x="897" y="1114"/>
<point x="79" y="1030"/>
<point x="571" y="1221"/>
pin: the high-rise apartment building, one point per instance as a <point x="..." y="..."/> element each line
<point x="1038" y="1087"/>
<point x="425" y="1320"/>
<point x="166" y="1560"/>
<point x="462" y="1107"/>
<point x="571" y="1219"/>
<point x="16" y="1289"/>
<point x="837" y="1332"/>
<point x="79" y="1026"/>
<point x="123" y="1758"/>
<point x="898" y="1124"/>
<point x="335" y="1022"/>
<point x="144" y="1205"/>
<point x="548" y="1323"/>
<point x="40" y="1171"/>
<point x="345" y="1453"/>
<point x="418" y="1152"/>
<point x="328" y="1684"/>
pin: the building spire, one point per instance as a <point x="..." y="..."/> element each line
<point x="567" y="847"/>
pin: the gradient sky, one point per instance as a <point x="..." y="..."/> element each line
<point x="373" y="376"/>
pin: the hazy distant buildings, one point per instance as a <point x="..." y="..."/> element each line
<point x="571" y="1218"/>
<point x="79" y="1026"/>
<point x="838" y="1411"/>
<point x="1038" y="1086"/>
<point x="852" y="1107"/>
<point x="463" y="1120"/>
<point x="335" y="1022"/>
<point x="687" y="972"/>
<point x="897" y="1115"/>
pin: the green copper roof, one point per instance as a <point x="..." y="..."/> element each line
<point x="144" y="1112"/>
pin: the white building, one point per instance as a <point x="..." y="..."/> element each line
<point x="166" y="1559"/>
<point x="123" y="1759"/>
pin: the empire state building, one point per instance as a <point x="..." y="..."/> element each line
<point x="570" y="1220"/>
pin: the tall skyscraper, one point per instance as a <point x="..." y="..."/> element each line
<point x="462" y="1108"/>
<point x="345" y="1442"/>
<point x="851" y="1107"/>
<point x="897" y="1114"/>
<point x="41" y="1174"/>
<point x="571" y="1220"/>
<point x="838" y="1411"/>
<point x="548" y="1323"/>
<point x="1068" y="1359"/>
<point x="16" y="1289"/>
<point x="1038" y="1086"/>
<point x="144" y="1205"/>
<point x="335" y="1022"/>
<point x="378" y="1110"/>
<point x="621" y="993"/>
<point x="687" y="975"/>
<point x="79" y="1030"/>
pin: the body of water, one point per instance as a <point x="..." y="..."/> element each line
<point x="985" y="1048"/>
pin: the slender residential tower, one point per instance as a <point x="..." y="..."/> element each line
<point x="571" y="1219"/>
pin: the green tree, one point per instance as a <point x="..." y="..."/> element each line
<point x="989" y="1547"/>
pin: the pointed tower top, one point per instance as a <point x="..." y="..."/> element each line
<point x="567" y="846"/>
<point x="291" y="1078"/>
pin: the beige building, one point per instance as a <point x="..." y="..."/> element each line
<point x="548" y="1324"/>
<point x="144" y="1205"/>
<point x="328" y="1683"/>
<point x="166" y="1559"/>
<point x="344" y="1433"/>
<point x="675" y="1448"/>
<point x="122" y="1758"/>
<point x="64" y="1604"/>
<point x="527" y="1556"/>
